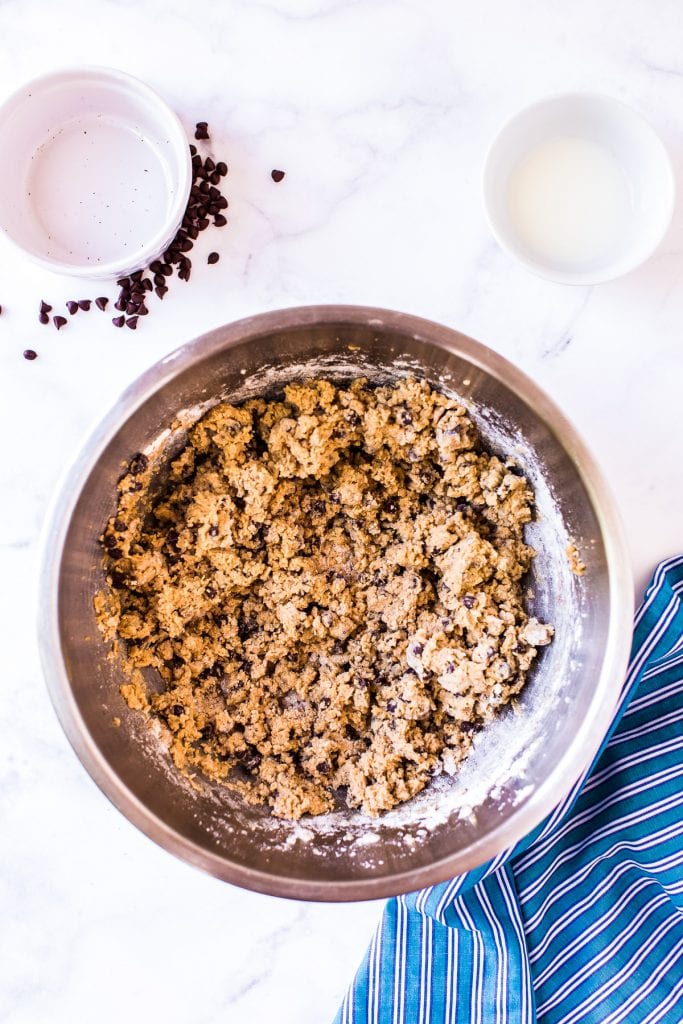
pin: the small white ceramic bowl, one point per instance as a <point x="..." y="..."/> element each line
<point x="95" y="172"/>
<point x="625" y="182"/>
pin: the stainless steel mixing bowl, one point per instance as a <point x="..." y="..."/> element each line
<point x="522" y="765"/>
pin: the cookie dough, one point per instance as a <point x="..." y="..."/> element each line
<point x="328" y="589"/>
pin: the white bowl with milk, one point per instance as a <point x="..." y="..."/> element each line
<point x="95" y="171"/>
<point x="579" y="188"/>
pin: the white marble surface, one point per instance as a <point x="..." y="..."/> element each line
<point x="380" y="112"/>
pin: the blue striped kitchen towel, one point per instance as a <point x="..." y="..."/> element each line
<point x="581" y="922"/>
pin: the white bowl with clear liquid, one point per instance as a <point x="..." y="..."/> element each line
<point x="579" y="188"/>
<point x="95" y="172"/>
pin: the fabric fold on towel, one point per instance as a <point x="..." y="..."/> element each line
<point x="582" y="921"/>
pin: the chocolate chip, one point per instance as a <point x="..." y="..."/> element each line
<point x="43" y="318"/>
<point x="201" y="131"/>
<point x="210" y="592"/>
<point x="405" y="417"/>
<point x="468" y="601"/>
<point x="30" y="354"/>
<point x="390" y="505"/>
<point x="352" y="733"/>
<point x="119" y="321"/>
<point x="132" y="322"/>
<point x="391" y="705"/>
<point x="450" y="667"/>
<point x="84" y="304"/>
<point x="120" y="304"/>
<point x="45" y="307"/>
<point x="110" y="541"/>
<point x="250" y="759"/>
<point x="323" y="767"/>
<point x="417" y="650"/>
<point x="102" y="302"/>
<point x="209" y="165"/>
<point x="462" y="505"/>
<point x="142" y="309"/>
<point x="59" y="321"/>
<point x="161" y="291"/>
<point x="118" y="580"/>
<point x="247" y="627"/>
<point x="219" y="220"/>
<point x="138" y="464"/>
<point x="177" y="709"/>
<point x="119" y="525"/>
<point x="213" y="530"/>
<point x="131" y="307"/>
<point x="352" y="418"/>
<point x="123" y="282"/>
<point x="222" y="168"/>
<point x="115" y="554"/>
<point x="213" y="257"/>
<point x="207" y="731"/>
<point x="277" y="175"/>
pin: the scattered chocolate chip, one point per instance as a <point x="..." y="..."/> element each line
<point x="213" y="530"/>
<point x="118" y="580"/>
<point x="115" y="554"/>
<point x="43" y="318"/>
<point x="213" y="257"/>
<point x="405" y="417"/>
<point x="222" y="168"/>
<point x="84" y="304"/>
<point x="277" y="175"/>
<point x="207" y="731"/>
<point x="177" y="709"/>
<point x="219" y="220"/>
<point x="468" y="601"/>
<point x="391" y="706"/>
<point x="161" y="291"/>
<point x="132" y="322"/>
<point x="119" y="321"/>
<point x="210" y="592"/>
<point x="142" y="309"/>
<point x="201" y="131"/>
<point x="30" y="354"/>
<point x="45" y="307"/>
<point x="418" y="650"/>
<point x="110" y="541"/>
<point x="450" y="667"/>
<point x="102" y="302"/>
<point x="59" y="321"/>
<point x="323" y="767"/>
<point x="209" y="165"/>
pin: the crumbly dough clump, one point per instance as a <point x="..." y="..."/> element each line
<point x="329" y="588"/>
